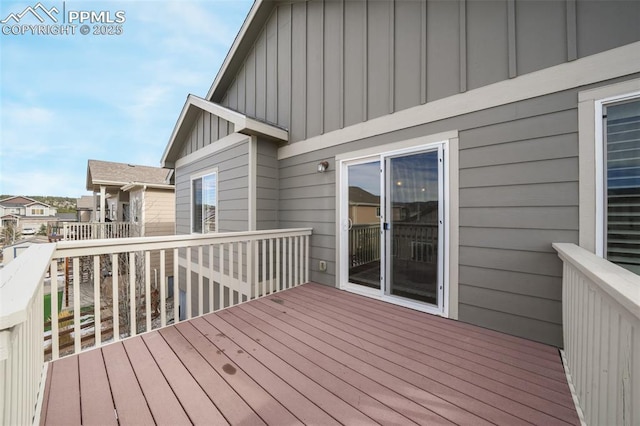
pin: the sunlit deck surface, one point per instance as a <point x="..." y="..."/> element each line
<point x="313" y="355"/>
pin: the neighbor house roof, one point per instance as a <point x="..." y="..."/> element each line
<point x="358" y="195"/>
<point x="17" y="201"/>
<point x="242" y="123"/>
<point x="20" y="201"/>
<point x="85" y="202"/>
<point x="107" y="173"/>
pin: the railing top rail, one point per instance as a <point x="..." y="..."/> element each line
<point x="622" y="285"/>
<point x="121" y="245"/>
<point x="19" y="281"/>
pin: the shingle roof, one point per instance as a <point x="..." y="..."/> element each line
<point x="17" y="201"/>
<point x="85" y="202"/>
<point x="122" y="173"/>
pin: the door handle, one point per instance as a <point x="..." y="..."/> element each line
<point x="349" y="224"/>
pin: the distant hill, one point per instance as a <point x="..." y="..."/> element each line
<point x="62" y="204"/>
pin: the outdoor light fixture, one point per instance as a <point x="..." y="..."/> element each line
<point x="323" y="166"/>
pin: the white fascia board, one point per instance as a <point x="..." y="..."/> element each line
<point x="241" y="123"/>
<point x="234" y="47"/>
<point x="108" y="183"/>
<point x="603" y="66"/>
<point x="134" y="185"/>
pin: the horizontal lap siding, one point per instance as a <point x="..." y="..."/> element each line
<point x="233" y="184"/>
<point x="512" y="207"/>
<point x="518" y="187"/>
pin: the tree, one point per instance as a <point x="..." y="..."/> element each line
<point x="10" y="233"/>
<point x="42" y="230"/>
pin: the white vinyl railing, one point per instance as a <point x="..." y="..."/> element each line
<point x="21" y="325"/>
<point x="122" y="287"/>
<point x="601" y="326"/>
<point x="111" y="289"/>
<point x="79" y="231"/>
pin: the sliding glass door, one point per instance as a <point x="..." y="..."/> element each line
<point x="392" y="226"/>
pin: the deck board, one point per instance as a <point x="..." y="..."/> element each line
<point x="97" y="404"/>
<point x="313" y="355"/>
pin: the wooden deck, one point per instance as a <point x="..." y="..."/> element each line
<point x="312" y="355"/>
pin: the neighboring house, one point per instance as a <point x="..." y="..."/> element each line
<point x="26" y="213"/>
<point x="12" y="251"/>
<point x="84" y="208"/>
<point x="492" y="117"/>
<point x="141" y="195"/>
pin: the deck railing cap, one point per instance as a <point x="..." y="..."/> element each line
<point x="20" y="280"/>
<point x="619" y="283"/>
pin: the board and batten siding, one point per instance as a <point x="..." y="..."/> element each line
<point x="318" y="66"/>
<point x="233" y="188"/>
<point x="206" y="129"/>
<point x="267" y="191"/>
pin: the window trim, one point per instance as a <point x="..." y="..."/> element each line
<point x="591" y="158"/>
<point x="200" y="175"/>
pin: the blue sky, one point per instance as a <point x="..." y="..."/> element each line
<point x="66" y="99"/>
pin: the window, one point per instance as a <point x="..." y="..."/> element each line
<point x="621" y="198"/>
<point x="204" y="202"/>
<point x="37" y="212"/>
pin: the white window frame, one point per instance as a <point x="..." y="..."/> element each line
<point x="591" y="104"/>
<point x="448" y="141"/>
<point x="201" y="175"/>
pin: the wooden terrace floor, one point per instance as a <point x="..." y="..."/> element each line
<point x="312" y="355"/>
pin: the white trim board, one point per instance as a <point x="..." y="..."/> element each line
<point x="217" y="146"/>
<point x="603" y="66"/>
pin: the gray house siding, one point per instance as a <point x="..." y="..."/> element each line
<point x="233" y="192"/>
<point x="518" y="193"/>
<point x="207" y="129"/>
<point x="319" y="66"/>
<point x="267" y="191"/>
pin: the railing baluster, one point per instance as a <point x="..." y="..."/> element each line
<point x="188" y="281"/>
<point x="290" y="262"/>
<point x="97" y="307"/>
<point x="163" y="293"/>
<point x="271" y="275"/>
<point x="76" y="304"/>
<point x="241" y="270"/>
<point x="147" y="287"/>
<point x="278" y="266"/>
<point x="133" y="311"/>
<point x="252" y="272"/>
<point x="115" y="302"/>
<point x="211" y="275"/>
<point x="307" y="259"/>
<point x="220" y="284"/>
<point x="231" y="280"/>
<point x="264" y="267"/>
<point x="53" y="272"/>
<point x="296" y="259"/>
<point x="200" y="282"/>
<point x="176" y="286"/>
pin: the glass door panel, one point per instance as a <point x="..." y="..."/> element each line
<point x="364" y="223"/>
<point x="413" y="232"/>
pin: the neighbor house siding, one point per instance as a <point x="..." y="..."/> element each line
<point x="159" y="212"/>
<point x="319" y="66"/>
<point x="233" y="183"/>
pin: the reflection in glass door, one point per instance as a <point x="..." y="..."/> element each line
<point x="413" y="212"/>
<point x="364" y="211"/>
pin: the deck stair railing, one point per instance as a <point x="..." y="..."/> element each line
<point x="134" y="285"/>
<point x="601" y="326"/>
